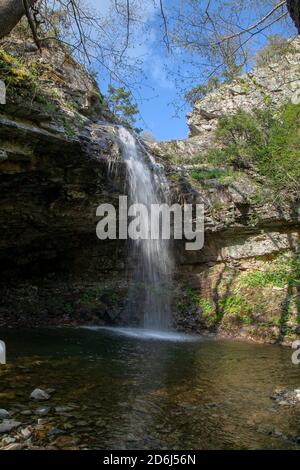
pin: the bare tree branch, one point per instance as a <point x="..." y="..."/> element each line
<point x="31" y="23"/>
<point x="166" y="34"/>
<point x="255" y="25"/>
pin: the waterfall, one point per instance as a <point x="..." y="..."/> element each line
<point x="152" y="260"/>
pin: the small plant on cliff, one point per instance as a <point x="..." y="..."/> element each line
<point x="221" y="175"/>
<point x="269" y="142"/>
<point x="236" y="306"/>
<point x="282" y="272"/>
<point x="13" y="71"/>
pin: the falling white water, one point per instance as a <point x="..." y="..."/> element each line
<point x="152" y="259"/>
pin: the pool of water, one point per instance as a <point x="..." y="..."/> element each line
<point x="136" y="390"/>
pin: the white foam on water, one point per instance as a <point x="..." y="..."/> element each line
<point x="145" y="334"/>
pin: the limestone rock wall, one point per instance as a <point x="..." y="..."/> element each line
<point x="272" y="84"/>
<point x="245" y="281"/>
<point x="54" y="172"/>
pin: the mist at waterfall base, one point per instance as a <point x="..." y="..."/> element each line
<point x="151" y="260"/>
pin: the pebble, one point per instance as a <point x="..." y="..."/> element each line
<point x="55" y="432"/>
<point x="26" y="412"/>
<point x="8" y="440"/>
<point x="43" y="411"/>
<point x="15" y="446"/>
<point x="65" y="442"/>
<point x="26" y="433"/>
<point x="4" y="413"/>
<point x="39" y="395"/>
<point x="8" y="424"/>
<point x="81" y="423"/>
<point x="63" y="409"/>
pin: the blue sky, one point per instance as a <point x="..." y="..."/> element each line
<point x="156" y="93"/>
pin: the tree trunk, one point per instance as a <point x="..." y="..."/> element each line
<point x="294" y="10"/>
<point x="11" y="11"/>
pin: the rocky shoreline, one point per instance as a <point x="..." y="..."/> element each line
<point x="44" y="425"/>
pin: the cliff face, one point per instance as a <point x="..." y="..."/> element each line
<point x="270" y="85"/>
<point x="54" y="172"/>
<point x="245" y="282"/>
<point x="53" y="175"/>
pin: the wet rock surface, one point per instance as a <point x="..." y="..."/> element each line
<point x="39" y="395"/>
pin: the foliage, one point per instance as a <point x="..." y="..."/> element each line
<point x="214" y="173"/>
<point x="281" y="161"/>
<point x="13" y="71"/>
<point x="276" y="48"/>
<point x="232" y="66"/>
<point x="236" y="306"/>
<point x="68" y="308"/>
<point x="274" y="278"/>
<point x="206" y="307"/>
<point x="269" y="141"/>
<point x="284" y="271"/>
<point x="121" y="105"/>
<point x="69" y="130"/>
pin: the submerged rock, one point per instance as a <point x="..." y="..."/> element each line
<point x="63" y="409"/>
<point x="286" y="397"/>
<point x="39" y="395"/>
<point x="4" y="414"/>
<point x="26" y="433"/>
<point x="14" y="446"/>
<point x="8" y="424"/>
<point x="55" y="432"/>
<point x="42" y="411"/>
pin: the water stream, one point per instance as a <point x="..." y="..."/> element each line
<point x="152" y="259"/>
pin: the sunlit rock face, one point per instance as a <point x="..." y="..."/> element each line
<point x="272" y="85"/>
<point x="238" y="284"/>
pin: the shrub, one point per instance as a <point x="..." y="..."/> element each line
<point x="215" y="173"/>
<point x="13" y="71"/>
<point x="200" y="175"/>
<point x="282" y="272"/>
<point x="269" y="141"/>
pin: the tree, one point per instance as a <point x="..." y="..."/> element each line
<point x="11" y="12"/>
<point x="212" y="35"/>
<point x="121" y="105"/>
<point x="294" y="10"/>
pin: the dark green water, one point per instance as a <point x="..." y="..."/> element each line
<point x="135" y="393"/>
